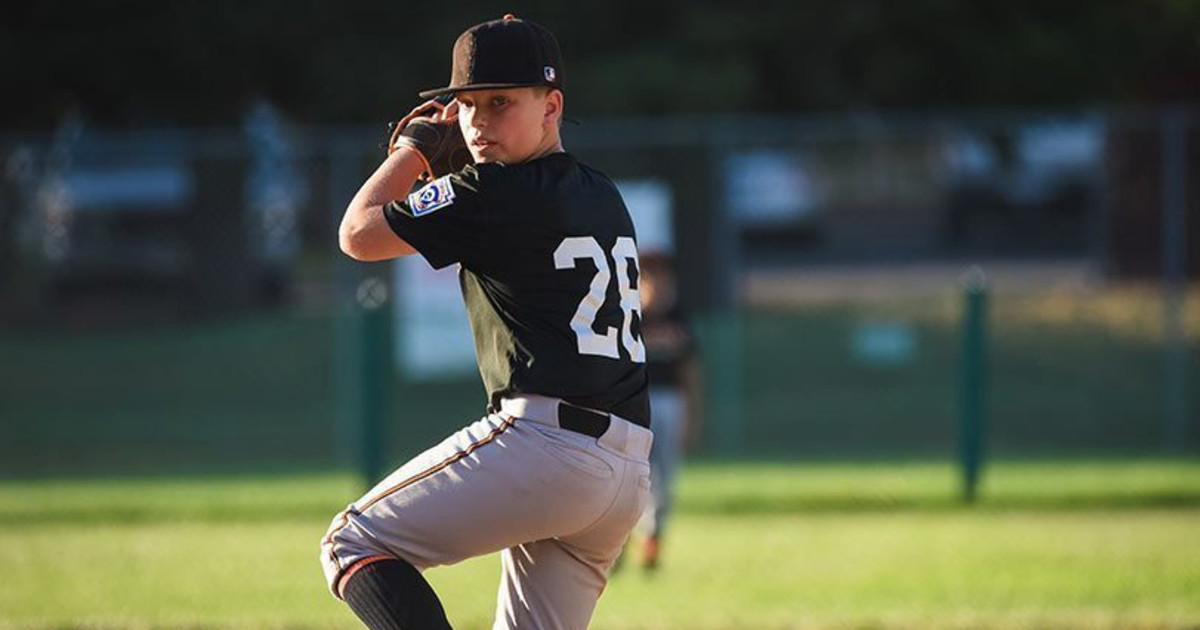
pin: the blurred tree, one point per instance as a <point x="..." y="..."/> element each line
<point x="137" y="62"/>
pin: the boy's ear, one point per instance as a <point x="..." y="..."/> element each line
<point x="553" y="103"/>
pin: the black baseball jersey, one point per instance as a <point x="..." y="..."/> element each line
<point x="548" y="271"/>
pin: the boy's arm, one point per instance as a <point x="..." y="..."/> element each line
<point x="364" y="233"/>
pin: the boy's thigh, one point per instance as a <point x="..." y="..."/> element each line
<point x="497" y="483"/>
<point x="555" y="583"/>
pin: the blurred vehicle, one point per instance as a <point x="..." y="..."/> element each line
<point x="120" y="220"/>
<point x="164" y="217"/>
<point x="1028" y="190"/>
<point x="773" y="199"/>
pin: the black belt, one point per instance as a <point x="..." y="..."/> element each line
<point x="580" y="420"/>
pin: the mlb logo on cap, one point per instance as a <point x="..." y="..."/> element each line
<point x="550" y="74"/>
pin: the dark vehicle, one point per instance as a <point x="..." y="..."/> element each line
<point x="161" y="222"/>
<point x="1025" y="191"/>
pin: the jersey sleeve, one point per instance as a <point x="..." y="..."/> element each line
<point x="446" y="220"/>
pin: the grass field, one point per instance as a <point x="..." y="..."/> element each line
<point x="1053" y="544"/>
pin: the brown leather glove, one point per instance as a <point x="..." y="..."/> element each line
<point x="435" y="137"/>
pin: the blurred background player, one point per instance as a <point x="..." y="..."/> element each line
<point x="674" y="395"/>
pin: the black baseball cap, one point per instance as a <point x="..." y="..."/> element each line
<point x="503" y="53"/>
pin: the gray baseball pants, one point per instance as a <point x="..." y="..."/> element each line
<point x="558" y="505"/>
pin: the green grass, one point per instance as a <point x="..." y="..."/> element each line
<point x="1053" y="544"/>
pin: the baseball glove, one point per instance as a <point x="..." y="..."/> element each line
<point x="436" y="139"/>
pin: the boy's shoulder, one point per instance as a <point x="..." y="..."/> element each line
<point x="556" y="180"/>
<point x="551" y="172"/>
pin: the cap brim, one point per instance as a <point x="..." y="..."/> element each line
<point x="479" y="86"/>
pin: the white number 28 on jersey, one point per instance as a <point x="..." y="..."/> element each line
<point x="624" y="252"/>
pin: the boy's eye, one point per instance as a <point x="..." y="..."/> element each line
<point x="499" y="100"/>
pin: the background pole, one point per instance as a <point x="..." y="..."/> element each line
<point x="973" y="394"/>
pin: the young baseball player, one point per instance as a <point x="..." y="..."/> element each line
<point x="671" y="362"/>
<point x="555" y="475"/>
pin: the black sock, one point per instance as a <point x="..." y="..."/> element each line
<point x="392" y="595"/>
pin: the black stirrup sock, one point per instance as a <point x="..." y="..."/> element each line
<point x="392" y="595"/>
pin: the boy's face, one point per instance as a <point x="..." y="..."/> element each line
<point x="508" y="125"/>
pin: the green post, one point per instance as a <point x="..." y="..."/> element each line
<point x="972" y="420"/>
<point x="374" y="376"/>
<point x="1175" y="254"/>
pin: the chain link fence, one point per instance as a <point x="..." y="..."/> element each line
<point x="174" y="300"/>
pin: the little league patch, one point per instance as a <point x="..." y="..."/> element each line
<point x="435" y="195"/>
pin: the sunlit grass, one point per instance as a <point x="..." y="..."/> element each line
<point x="1053" y="544"/>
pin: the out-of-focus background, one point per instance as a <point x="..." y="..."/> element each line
<point x="939" y="260"/>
